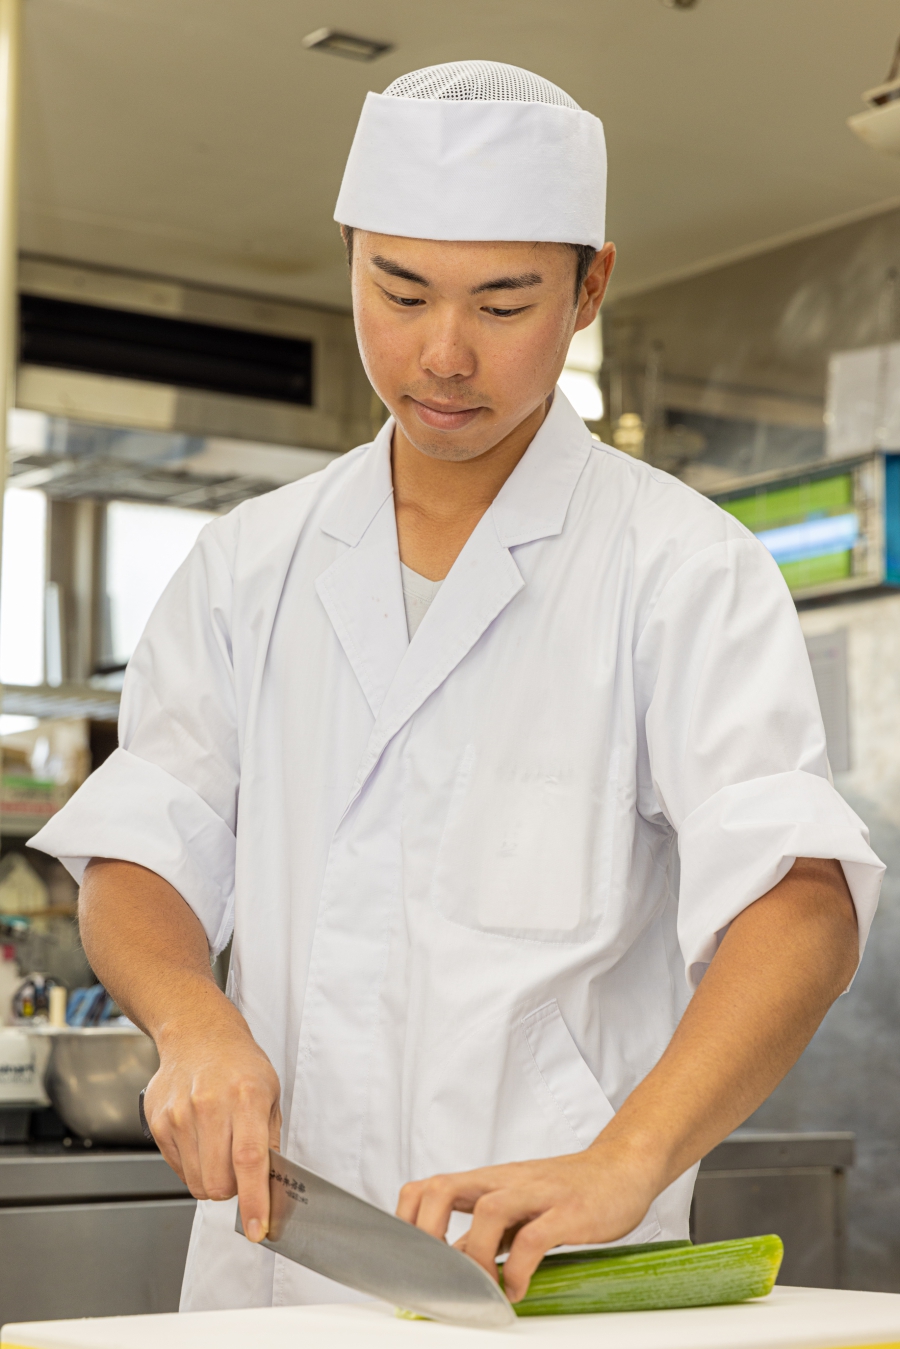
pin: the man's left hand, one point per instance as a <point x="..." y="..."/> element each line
<point x="527" y="1208"/>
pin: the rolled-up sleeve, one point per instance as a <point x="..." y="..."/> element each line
<point x="734" y="746"/>
<point x="167" y="798"/>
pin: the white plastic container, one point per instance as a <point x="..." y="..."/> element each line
<point x="23" y="1067"/>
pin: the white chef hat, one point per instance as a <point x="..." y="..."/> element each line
<point x="476" y="150"/>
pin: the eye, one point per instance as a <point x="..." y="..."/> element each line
<point x="505" y="313"/>
<point x="405" y="301"/>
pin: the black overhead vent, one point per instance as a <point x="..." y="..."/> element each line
<point x="165" y="351"/>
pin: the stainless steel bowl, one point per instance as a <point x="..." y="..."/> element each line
<point x="94" y="1077"/>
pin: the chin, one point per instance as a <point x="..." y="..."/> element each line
<point x="452" y="453"/>
<point x="452" y="447"/>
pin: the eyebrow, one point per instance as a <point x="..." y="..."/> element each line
<point x="521" y="282"/>
<point x="394" y="269"/>
<point x="509" y="283"/>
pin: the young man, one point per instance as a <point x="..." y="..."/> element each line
<point x="449" y="853"/>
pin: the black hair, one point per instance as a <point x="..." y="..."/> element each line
<point x="584" y="261"/>
<point x="584" y="258"/>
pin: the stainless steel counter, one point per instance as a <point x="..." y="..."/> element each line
<point x="89" y="1233"/>
<point x="105" y="1232"/>
<point x="40" y="1172"/>
<point x="753" y="1149"/>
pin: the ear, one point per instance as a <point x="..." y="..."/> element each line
<point x="594" y="287"/>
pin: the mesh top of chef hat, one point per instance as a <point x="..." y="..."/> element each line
<point x="479" y="82"/>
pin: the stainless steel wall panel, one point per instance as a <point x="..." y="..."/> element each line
<point x="68" y="1260"/>
<point x="803" y="1205"/>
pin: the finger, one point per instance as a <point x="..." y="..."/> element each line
<point x="163" y="1138"/>
<point x="178" y="1138"/>
<point x="213" y="1131"/>
<point x="493" y="1216"/>
<point x="461" y="1243"/>
<point x="458" y="1192"/>
<point x="531" y="1244"/>
<point x="508" y="1237"/>
<point x="441" y="1196"/>
<point x="169" y="1152"/>
<point x="250" y="1160"/>
<point x="438" y="1200"/>
<point x="409" y="1199"/>
<point x="174" y="1138"/>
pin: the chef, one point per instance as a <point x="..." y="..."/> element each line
<point x="496" y="752"/>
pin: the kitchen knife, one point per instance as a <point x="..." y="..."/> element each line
<point x="329" y="1230"/>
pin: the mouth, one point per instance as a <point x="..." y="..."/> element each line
<point x="444" y="416"/>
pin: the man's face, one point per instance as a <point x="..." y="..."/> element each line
<point x="463" y="341"/>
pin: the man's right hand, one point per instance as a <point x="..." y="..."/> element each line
<point x="213" y="1108"/>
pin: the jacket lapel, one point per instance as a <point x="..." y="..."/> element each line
<point x="532" y="504"/>
<point x="362" y="591"/>
<point x="480" y="585"/>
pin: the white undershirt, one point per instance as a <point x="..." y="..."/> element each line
<point x="418" y="592"/>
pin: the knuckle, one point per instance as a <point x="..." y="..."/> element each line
<point x="221" y="1192"/>
<point x="249" y="1090"/>
<point x="247" y="1155"/>
<point x="203" y="1102"/>
<point x="173" y="1116"/>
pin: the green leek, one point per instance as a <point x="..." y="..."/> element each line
<point x="647" y="1278"/>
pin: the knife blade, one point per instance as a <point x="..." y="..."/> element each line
<point x="329" y="1230"/>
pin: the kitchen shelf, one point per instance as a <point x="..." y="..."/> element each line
<point x="65" y="700"/>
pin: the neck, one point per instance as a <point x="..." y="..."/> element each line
<point x="439" y="502"/>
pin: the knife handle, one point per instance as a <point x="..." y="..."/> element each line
<point x="145" y="1127"/>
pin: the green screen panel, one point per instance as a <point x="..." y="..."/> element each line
<point x="764" y="509"/>
<point x="817" y="571"/>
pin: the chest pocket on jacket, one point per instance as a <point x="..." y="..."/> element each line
<point x="517" y="855"/>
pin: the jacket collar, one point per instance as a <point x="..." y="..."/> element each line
<point x="363" y="491"/>
<point x="531" y="504"/>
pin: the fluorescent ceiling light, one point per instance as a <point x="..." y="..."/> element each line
<point x="346" y="44"/>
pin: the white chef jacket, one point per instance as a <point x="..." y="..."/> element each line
<point x="451" y="864"/>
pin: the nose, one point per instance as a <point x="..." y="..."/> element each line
<point x="446" y="352"/>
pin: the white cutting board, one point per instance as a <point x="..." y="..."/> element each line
<point x="791" y="1318"/>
